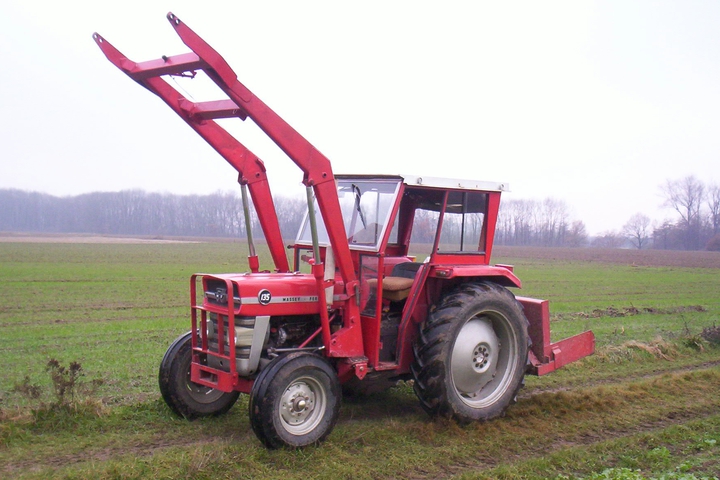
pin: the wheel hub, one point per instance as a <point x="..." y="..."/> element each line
<point x="481" y="357"/>
<point x="474" y="357"/>
<point x="297" y="404"/>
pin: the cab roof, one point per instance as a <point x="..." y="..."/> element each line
<point x="435" y="182"/>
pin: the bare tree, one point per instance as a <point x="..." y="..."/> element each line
<point x="577" y="236"/>
<point x="553" y="222"/>
<point x="517" y="222"/>
<point x="544" y="223"/>
<point x="685" y="196"/>
<point x="609" y="239"/>
<point x="290" y="211"/>
<point x="637" y="229"/>
<point x="525" y="221"/>
<point x="713" y="203"/>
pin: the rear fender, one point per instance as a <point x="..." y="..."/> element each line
<point x="502" y="275"/>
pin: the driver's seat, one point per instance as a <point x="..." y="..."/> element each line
<point x="397" y="285"/>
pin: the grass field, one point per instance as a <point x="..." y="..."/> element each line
<point x="648" y="401"/>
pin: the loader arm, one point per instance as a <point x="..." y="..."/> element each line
<point x="200" y="117"/>
<point x="316" y="168"/>
<point x="242" y="103"/>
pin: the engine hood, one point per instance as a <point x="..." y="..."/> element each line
<point x="261" y="293"/>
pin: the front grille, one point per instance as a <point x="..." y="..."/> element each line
<point x="244" y="328"/>
<point x="216" y="293"/>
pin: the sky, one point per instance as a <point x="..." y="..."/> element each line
<point x="597" y="104"/>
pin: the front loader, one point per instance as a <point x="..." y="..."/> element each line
<point x="390" y="279"/>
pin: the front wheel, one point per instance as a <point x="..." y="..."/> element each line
<point x="295" y="401"/>
<point x="184" y="397"/>
<point x="471" y="353"/>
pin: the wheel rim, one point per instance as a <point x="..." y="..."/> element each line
<point x="302" y="405"/>
<point x="483" y="360"/>
<point x="201" y="393"/>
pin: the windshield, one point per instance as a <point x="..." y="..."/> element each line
<point x="365" y="205"/>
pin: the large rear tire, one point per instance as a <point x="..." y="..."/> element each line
<point x="184" y="397"/>
<point x="471" y="353"/>
<point x="295" y="401"/>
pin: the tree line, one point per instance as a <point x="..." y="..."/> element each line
<point x="695" y="225"/>
<point x="546" y="222"/>
<point x="136" y="212"/>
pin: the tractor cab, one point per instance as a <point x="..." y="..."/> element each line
<point x="383" y="214"/>
<point x="403" y="231"/>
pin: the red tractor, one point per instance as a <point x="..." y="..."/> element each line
<point x="390" y="280"/>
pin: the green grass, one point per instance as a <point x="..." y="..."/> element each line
<point x="648" y="400"/>
<point x="113" y="308"/>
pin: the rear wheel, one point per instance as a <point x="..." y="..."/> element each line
<point x="471" y="353"/>
<point x="184" y="397"/>
<point x="295" y="401"/>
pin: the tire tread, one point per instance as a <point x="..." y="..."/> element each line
<point x="432" y="348"/>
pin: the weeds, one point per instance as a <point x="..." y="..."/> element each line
<point x="71" y="393"/>
<point x="65" y="380"/>
<point x="658" y="348"/>
<point x="676" y="344"/>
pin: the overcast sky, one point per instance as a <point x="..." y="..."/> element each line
<point x="594" y="103"/>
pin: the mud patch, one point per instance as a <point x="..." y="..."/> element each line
<point x="615" y="256"/>
<point x="711" y="334"/>
<point x="614" y="312"/>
